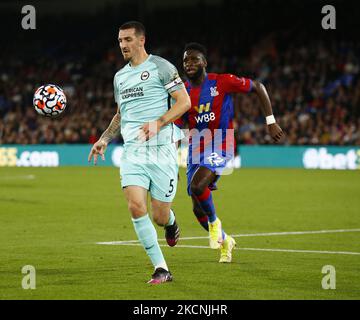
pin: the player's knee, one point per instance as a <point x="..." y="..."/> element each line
<point x="137" y="208"/>
<point x="161" y="215"/>
<point x="197" y="188"/>
<point x="160" y="220"/>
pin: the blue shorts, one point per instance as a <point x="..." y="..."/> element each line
<point x="217" y="166"/>
<point x="212" y="156"/>
<point x="191" y="170"/>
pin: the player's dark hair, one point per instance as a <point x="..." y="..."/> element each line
<point x="138" y="26"/>
<point x="196" y="46"/>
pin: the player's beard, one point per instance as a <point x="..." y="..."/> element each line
<point x="195" y="76"/>
<point x="127" y="59"/>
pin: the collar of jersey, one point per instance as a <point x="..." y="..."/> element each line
<point x="139" y="65"/>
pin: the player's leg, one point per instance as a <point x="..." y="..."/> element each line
<point x="164" y="216"/>
<point x="199" y="187"/>
<point x="164" y="179"/>
<point x="136" y="197"/>
<point x="200" y="214"/>
<point x="204" y="210"/>
<point x="163" y="172"/>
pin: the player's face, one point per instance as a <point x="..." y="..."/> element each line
<point x="130" y="43"/>
<point x="194" y="64"/>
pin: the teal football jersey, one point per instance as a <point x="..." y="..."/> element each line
<point x="142" y="92"/>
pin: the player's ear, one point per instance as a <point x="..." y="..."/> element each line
<point x="142" y="40"/>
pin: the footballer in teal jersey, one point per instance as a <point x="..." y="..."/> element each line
<point x="142" y="92"/>
<point x="150" y="96"/>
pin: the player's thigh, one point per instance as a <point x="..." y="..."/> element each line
<point x="135" y="182"/>
<point x="133" y="170"/>
<point x="164" y="174"/>
<point x="201" y="179"/>
<point x="136" y="197"/>
<point x="161" y="211"/>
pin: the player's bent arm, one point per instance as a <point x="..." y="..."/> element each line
<point x="274" y="129"/>
<point x="110" y="133"/>
<point x="261" y="92"/>
<point x="182" y="104"/>
<point x="113" y="129"/>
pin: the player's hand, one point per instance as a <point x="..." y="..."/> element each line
<point x="275" y="132"/>
<point x="98" y="148"/>
<point x="149" y="130"/>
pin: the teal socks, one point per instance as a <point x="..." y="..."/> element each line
<point x="171" y="219"/>
<point x="147" y="236"/>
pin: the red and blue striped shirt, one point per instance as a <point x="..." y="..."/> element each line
<point x="211" y="104"/>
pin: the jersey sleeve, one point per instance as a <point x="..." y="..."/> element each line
<point x="234" y="84"/>
<point x="169" y="75"/>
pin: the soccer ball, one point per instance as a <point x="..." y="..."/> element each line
<point x="49" y="100"/>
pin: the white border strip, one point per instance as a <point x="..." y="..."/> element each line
<point x="244" y="235"/>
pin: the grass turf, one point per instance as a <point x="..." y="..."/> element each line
<point x="54" y="219"/>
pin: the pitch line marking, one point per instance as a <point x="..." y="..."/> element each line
<point x="27" y="177"/>
<point x="244" y="235"/>
<point x="253" y="249"/>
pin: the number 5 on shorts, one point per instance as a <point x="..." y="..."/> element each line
<point x="171" y="188"/>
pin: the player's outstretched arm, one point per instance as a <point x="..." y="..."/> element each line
<point x="182" y="104"/>
<point x="274" y="129"/>
<point x="110" y="133"/>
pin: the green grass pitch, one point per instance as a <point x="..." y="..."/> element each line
<point x="51" y="218"/>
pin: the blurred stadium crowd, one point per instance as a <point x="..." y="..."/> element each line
<point x="314" y="87"/>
